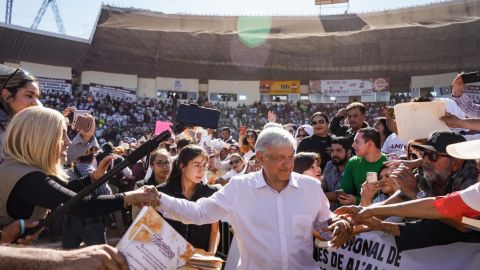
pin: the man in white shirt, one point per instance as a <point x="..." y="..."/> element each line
<point x="272" y="212"/>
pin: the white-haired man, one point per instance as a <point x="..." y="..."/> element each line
<point x="272" y="211"/>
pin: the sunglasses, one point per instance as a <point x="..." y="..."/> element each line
<point x="318" y="122"/>
<point x="302" y="135"/>
<point x="251" y="135"/>
<point x="236" y="161"/>
<point x="160" y="163"/>
<point x="433" y="156"/>
<point x="9" y="78"/>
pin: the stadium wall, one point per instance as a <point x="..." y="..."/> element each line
<point x="147" y="87"/>
<point x="249" y="89"/>
<point x="110" y="79"/>
<point x="434" y="80"/>
<point x="183" y="85"/>
<point x="47" y="71"/>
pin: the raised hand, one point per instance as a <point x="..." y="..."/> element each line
<point x="272" y="117"/>
<point x="102" y="167"/>
<point x="458" y="86"/>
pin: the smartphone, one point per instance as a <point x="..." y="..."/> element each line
<point x="340" y="192"/>
<point x="471" y="77"/>
<point x="194" y="115"/>
<point x="82" y="122"/>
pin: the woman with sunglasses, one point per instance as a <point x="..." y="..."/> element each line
<point x="161" y="165"/>
<point x="185" y="182"/>
<point x="302" y="132"/>
<point x="321" y="141"/>
<point x="247" y="142"/>
<point x="238" y="167"/>
<point x="19" y="90"/>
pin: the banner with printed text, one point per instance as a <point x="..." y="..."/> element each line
<point x="51" y="85"/>
<point x="279" y="87"/>
<point x="99" y="91"/>
<point x="473" y="91"/>
<point x="349" y="87"/>
<point x="376" y="250"/>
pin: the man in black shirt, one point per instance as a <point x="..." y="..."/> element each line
<point x="356" y="115"/>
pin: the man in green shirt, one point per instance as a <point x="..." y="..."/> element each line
<point x="369" y="158"/>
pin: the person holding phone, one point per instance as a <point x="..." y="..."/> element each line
<point x="19" y="90"/>
<point x="85" y="125"/>
<point x="465" y="103"/>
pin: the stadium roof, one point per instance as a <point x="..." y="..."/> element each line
<point x="399" y="43"/>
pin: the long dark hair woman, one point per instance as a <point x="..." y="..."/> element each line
<point x="19" y="90"/>
<point x="185" y="182"/>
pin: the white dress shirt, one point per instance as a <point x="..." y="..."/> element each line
<point x="274" y="230"/>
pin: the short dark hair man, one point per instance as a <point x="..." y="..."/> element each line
<point x="356" y="116"/>
<point x="340" y="153"/>
<point x="226" y="135"/>
<point x="368" y="158"/>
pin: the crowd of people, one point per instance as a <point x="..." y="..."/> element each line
<point x="119" y="119"/>
<point x="278" y="175"/>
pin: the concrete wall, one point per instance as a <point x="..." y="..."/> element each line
<point x="47" y="71"/>
<point x="147" y="87"/>
<point x="110" y="79"/>
<point x="434" y="80"/>
<point x="250" y="89"/>
<point x="184" y="85"/>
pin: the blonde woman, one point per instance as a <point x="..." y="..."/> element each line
<point x="33" y="181"/>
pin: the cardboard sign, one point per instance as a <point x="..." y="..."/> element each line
<point x="416" y="120"/>
<point x="152" y="244"/>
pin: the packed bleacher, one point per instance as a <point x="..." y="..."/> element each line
<point x="334" y="172"/>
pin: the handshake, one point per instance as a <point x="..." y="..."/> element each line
<point x="362" y="218"/>
<point x="143" y="196"/>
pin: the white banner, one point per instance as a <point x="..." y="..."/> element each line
<point x="50" y="85"/>
<point x="99" y="91"/>
<point x="375" y="250"/>
<point x="349" y="87"/>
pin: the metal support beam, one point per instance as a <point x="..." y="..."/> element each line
<point x="56" y="14"/>
<point x="8" y="11"/>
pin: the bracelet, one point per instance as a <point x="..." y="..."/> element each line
<point x="22" y="226"/>
<point x="125" y="204"/>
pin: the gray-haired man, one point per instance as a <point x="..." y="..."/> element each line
<point x="273" y="211"/>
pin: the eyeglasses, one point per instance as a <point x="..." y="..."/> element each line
<point x="318" y="122"/>
<point x="163" y="163"/>
<point x="251" y="135"/>
<point x="433" y="156"/>
<point x="236" y="161"/>
<point x="9" y="78"/>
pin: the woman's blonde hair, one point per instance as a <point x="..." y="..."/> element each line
<point x="34" y="137"/>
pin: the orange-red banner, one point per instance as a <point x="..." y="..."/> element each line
<point x="279" y="87"/>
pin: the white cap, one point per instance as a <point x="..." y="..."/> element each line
<point x="465" y="150"/>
